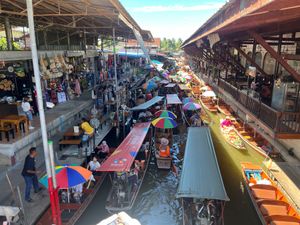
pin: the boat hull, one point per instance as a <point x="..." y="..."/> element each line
<point x="232" y="138"/>
<point x="163" y="162"/>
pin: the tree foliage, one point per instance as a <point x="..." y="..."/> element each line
<point x="170" y="45"/>
<point x="3" y="44"/>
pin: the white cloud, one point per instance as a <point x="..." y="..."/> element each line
<point x="177" y="8"/>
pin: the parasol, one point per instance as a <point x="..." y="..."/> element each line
<point x="164" y="123"/>
<point x="191" y="106"/>
<point x="165" y="113"/>
<point x="68" y="176"/>
<point x="149" y="86"/>
<point x="208" y="94"/>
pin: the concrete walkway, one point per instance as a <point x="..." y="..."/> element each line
<point x="66" y="156"/>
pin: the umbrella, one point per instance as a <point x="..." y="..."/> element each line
<point x="165" y="113"/>
<point x="150" y="85"/>
<point x="191" y="106"/>
<point x="208" y="94"/>
<point x="186" y="100"/>
<point x="68" y="176"/>
<point x="164" y="123"/>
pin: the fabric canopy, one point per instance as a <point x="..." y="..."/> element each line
<point x="147" y="104"/>
<point x="200" y="176"/>
<point x="170" y="85"/>
<point x="123" y="157"/>
<point x="172" y="99"/>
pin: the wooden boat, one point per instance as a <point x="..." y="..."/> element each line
<point x="223" y="108"/>
<point x="255" y="141"/>
<point x="205" y="117"/>
<point x="231" y="136"/>
<point x="163" y="162"/>
<point x="71" y="212"/>
<point x="269" y="202"/>
<point x="127" y="177"/>
<point x="208" y="104"/>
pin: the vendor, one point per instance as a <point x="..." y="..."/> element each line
<point x="226" y="122"/>
<point x="164" y="149"/>
<point x="103" y="150"/>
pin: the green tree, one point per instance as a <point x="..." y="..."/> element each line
<point x="3" y="44"/>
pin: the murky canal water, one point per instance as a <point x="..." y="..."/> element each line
<point x="157" y="205"/>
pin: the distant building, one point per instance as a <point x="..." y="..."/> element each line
<point x="152" y="46"/>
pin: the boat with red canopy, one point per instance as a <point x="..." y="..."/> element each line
<point x="128" y="165"/>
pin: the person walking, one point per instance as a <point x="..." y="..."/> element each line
<point x="27" y="109"/>
<point x="29" y="173"/>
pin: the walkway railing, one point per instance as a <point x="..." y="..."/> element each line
<point x="280" y="122"/>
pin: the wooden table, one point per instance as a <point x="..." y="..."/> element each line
<point x="16" y="121"/>
<point x="71" y="134"/>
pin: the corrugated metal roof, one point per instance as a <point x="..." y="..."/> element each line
<point x="201" y="177"/>
<point x="147" y="104"/>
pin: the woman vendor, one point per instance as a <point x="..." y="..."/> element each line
<point x="164" y="149"/>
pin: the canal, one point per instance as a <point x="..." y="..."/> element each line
<point x="156" y="203"/>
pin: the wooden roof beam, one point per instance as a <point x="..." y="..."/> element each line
<point x="275" y="55"/>
<point x="248" y="58"/>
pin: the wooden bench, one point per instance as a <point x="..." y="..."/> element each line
<point x="6" y="131"/>
<point x="70" y="142"/>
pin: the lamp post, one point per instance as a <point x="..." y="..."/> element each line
<point x="52" y="191"/>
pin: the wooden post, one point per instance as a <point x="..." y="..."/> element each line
<point x="8" y="33"/>
<point x="68" y="40"/>
<point x="279" y="52"/>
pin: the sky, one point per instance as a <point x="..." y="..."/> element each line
<point x="171" y="18"/>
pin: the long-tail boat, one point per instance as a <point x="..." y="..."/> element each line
<point x="126" y="171"/>
<point x="271" y="205"/>
<point x="201" y="187"/>
<point x="231" y="136"/>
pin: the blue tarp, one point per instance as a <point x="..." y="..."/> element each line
<point x="132" y="54"/>
<point x="147" y="104"/>
<point x="200" y="177"/>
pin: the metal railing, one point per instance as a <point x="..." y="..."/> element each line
<point x="280" y="122"/>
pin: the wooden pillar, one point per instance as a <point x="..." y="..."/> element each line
<point x="84" y="40"/>
<point x="68" y="40"/>
<point x="8" y="33"/>
<point x="279" y="52"/>
<point x="275" y="55"/>
<point x="45" y="39"/>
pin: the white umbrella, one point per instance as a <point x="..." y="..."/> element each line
<point x="209" y="94"/>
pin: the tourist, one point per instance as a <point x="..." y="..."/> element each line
<point x="87" y="128"/>
<point x="29" y="173"/>
<point x="77" y="86"/>
<point x="93" y="165"/>
<point x="27" y="109"/>
<point x="103" y="150"/>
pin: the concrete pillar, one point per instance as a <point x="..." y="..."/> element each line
<point x="8" y="32"/>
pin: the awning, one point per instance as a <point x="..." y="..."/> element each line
<point x="200" y="176"/>
<point x="184" y="87"/>
<point x="170" y="85"/>
<point x="172" y="99"/>
<point x="147" y="104"/>
<point x="123" y="157"/>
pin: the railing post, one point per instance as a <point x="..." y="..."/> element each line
<point x="278" y="117"/>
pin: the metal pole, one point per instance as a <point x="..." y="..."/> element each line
<point x="40" y="100"/>
<point x="116" y="80"/>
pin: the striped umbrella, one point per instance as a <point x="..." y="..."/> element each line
<point x="165" y="113"/>
<point x="186" y="100"/>
<point x="68" y="176"/>
<point x="164" y="123"/>
<point x="191" y="106"/>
